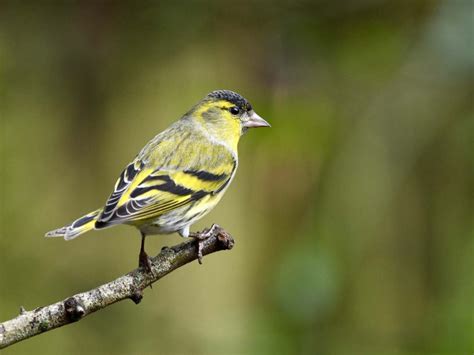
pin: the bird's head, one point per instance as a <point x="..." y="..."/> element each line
<point x="226" y="115"/>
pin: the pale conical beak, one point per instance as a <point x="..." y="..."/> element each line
<point x="255" y="121"/>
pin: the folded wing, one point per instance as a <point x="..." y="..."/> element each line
<point x="144" y="192"/>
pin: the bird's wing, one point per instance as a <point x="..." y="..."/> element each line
<point x="169" y="174"/>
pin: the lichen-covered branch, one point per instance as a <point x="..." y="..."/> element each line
<point x="129" y="286"/>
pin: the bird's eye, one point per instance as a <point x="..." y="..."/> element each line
<point x="234" y="110"/>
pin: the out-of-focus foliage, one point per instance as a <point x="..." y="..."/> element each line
<point x="353" y="214"/>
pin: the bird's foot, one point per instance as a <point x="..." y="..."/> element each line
<point x="202" y="236"/>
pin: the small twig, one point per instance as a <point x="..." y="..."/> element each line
<point x="129" y="286"/>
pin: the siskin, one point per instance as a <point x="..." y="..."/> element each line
<point x="179" y="176"/>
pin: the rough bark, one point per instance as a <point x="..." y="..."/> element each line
<point x="130" y="286"/>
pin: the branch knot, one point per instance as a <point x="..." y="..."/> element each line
<point x="74" y="310"/>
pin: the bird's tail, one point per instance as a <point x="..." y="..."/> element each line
<point x="76" y="228"/>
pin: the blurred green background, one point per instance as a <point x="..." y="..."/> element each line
<point x="353" y="214"/>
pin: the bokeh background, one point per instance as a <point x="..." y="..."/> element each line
<point x="353" y="214"/>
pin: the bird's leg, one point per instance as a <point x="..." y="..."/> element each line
<point x="201" y="237"/>
<point x="143" y="259"/>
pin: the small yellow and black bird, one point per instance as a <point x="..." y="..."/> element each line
<point x="179" y="176"/>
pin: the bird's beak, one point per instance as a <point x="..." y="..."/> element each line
<point x="255" y="121"/>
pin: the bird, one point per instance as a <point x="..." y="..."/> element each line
<point x="179" y="176"/>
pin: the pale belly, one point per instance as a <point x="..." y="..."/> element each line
<point x="182" y="218"/>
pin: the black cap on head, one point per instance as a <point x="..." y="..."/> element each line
<point x="232" y="97"/>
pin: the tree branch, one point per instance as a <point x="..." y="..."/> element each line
<point x="131" y="285"/>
